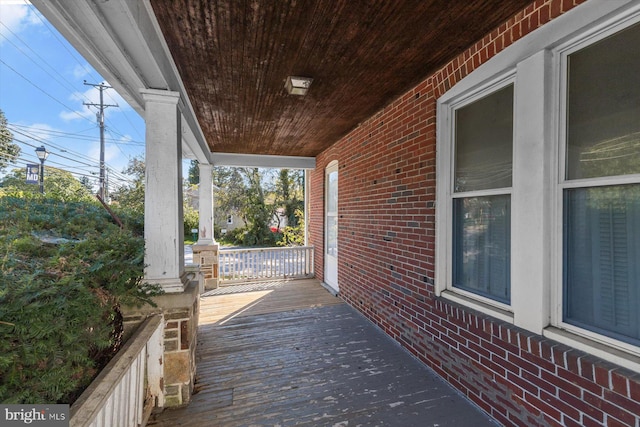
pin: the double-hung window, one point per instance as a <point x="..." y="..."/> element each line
<point x="483" y="134"/>
<point x="538" y="185"/>
<point x="601" y="186"/>
<point x="474" y="196"/>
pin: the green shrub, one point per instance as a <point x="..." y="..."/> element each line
<point x="293" y="235"/>
<point x="66" y="270"/>
<point x="191" y="220"/>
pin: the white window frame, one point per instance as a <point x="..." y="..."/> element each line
<point x="536" y="61"/>
<point x="561" y="53"/>
<point x="445" y="183"/>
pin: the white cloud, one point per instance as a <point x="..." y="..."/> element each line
<point x="79" y="113"/>
<point x="111" y="151"/>
<point x="15" y="17"/>
<point x="81" y="71"/>
<point x="40" y="131"/>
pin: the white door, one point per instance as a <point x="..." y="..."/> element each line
<point x="331" y="227"/>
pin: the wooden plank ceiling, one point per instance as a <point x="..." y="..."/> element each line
<point x="235" y="55"/>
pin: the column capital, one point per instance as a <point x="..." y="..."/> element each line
<point x="161" y="96"/>
<point x="207" y="167"/>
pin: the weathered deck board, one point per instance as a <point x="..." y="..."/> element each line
<point x="261" y="298"/>
<point x="298" y="356"/>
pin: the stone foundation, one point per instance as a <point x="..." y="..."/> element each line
<point x="180" y="311"/>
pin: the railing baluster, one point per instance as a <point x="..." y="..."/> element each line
<point x="239" y="265"/>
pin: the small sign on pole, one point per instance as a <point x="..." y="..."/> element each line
<point x="33" y="172"/>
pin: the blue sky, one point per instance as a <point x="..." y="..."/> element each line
<point x="42" y="95"/>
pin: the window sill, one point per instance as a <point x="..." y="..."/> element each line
<point x="477" y="305"/>
<point x="603" y="351"/>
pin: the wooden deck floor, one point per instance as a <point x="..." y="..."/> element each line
<point x="290" y="353"/>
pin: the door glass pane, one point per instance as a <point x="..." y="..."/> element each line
<point x="484" y="142"/>
<point x="602" y="260"/>
<point x="332" y="192"/>
<point x="603" y="107"/>
<point x="482" y="246"/>
<point x="332" y="236"/>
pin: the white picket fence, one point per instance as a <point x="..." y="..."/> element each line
<point x="242" y="265"/>
<point x="129" y="386"/>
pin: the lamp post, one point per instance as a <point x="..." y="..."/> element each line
<point x="42" y="154"/>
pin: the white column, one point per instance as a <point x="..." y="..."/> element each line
<point x="307" y="205"/>
<point x="163" y="214"/>
<point x="206" y="205"/>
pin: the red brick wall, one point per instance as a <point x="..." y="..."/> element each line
<point x="386" y="265"/>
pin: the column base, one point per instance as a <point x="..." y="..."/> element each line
<point x="207" y="257"/>
<point x="172" y="285"/>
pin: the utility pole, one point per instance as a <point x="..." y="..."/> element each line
<point x="100" y="116"/>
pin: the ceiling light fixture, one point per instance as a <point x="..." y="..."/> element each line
<point x="298" y="85"/>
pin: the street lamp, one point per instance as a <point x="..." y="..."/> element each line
<point x="42" y="154"/>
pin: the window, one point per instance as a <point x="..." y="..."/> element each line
<point x="538" y="183"/>
<point x="601" y="190"/>
<point x="481" y="221"/>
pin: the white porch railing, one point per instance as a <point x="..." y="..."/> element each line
<point x="241" y="265"/>
<point x="129" y="386"/>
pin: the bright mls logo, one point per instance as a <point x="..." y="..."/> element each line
<point x="37" y="415"/>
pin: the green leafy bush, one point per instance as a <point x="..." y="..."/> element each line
<point x="293" y="235"/>
<point x="66" y="270"/>
<point x="191" y="220"/>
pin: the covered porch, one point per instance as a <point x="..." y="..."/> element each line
<point x="290" y="353"/>
<point x="377" y="133"/>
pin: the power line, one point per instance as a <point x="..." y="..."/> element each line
<point x="142" y="143"/>
<point x="66" y="84"/>
<point x="126" y="116"/>
<point x="123" y="177"/>
<point x="72" y="55"/>
<point x="42" y="141"/>
<point x="24" y="161"/>
<point x="78" y="135"/>
<point x="88" y="70"/>
<point x="120" y="176"/>
<point x="43" y="91"/>
<point x="63" y="44"/>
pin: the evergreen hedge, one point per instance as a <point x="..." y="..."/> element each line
<point x="66" y="270"/>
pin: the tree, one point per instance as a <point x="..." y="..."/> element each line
<point x="194" y="173"/>
<point x="257" y="195"/>
<point x="230" y="193"/>
<point x="293" y="235"/>
<point x="86" y="182"/>
<point x="131" y="196"/>
<point x="255" y="211"/>
<point x="289" y="194"/>
<point x="8" y="150"/>
<point x="58" y="184"/>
